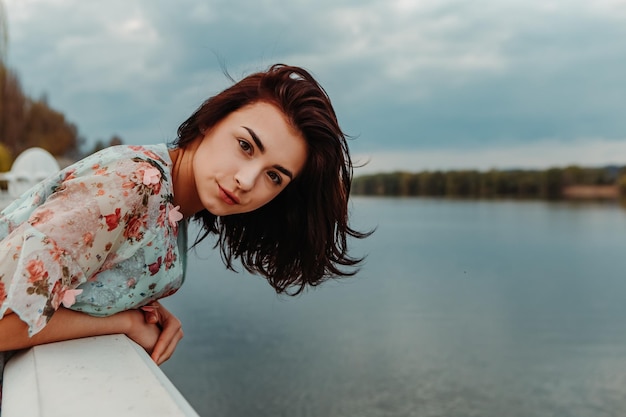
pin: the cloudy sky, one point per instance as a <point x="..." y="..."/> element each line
<point x="421" y="84"/>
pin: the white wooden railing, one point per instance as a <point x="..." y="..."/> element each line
<point x="105" y="376"/>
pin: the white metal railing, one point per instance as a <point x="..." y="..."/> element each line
<point x="102" y="376"/>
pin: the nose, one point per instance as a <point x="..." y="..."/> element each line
<point x="246" y="178"/>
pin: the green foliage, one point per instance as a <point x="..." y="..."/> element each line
<point x="546" y="184"/>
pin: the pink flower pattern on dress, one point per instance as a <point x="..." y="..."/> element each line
<point x="135" y="226"/>
<point x="69" y="297"/>
<point x="170" y="258"/>
<point x="101" y="238"/>
<point x="151" y="176"/>
<point x="155" y="266"/>
<point x="36" y="271"/>
<point x="113" y="219"/>
<point x="175" y="216"/>
<point x="3" y="294"/>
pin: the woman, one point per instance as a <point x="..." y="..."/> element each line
<point x="263" y="165"/>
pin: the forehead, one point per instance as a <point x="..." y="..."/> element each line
<point x="266" y="114"/>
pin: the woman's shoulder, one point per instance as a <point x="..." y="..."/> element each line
<point x="134" y="175"/>
<point x="123" y="154"/>
<point x="113" y="171"/>
<point x="121" y="162"/>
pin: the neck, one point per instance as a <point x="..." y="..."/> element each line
<point x="185" y="194"/>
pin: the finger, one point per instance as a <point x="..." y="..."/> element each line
<point x="150" y="307"/>
<point x="151" y="317"/>
<point x="170" y="332"/>
<point x="151" y="314"/>
<point x="160" y="353"/>
<point x="159" y="347"/>
<point x="171" y="347"/>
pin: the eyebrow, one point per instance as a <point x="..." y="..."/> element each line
<point x="256" y="139"/>
<point x="261" y="147"/>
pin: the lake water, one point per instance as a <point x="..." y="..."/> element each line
<point x="463" y="308"/>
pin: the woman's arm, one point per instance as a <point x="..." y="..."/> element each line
<point x="67" y="324"/>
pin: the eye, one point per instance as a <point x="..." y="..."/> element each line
<point x="245" y="146"/>
<point x="276" y="178"/>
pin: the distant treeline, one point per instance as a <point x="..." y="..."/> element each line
<point x="546" y="184"/>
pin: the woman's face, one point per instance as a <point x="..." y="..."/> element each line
<point x="247" y="159"/>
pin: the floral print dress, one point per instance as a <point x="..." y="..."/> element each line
<point x="101" y="236"/>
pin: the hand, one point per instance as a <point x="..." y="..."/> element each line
<point x="141" y="332"/>
<point x="171" y="331"/>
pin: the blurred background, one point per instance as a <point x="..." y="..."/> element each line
<point x="493" y="145"/>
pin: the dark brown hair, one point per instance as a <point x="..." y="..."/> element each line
<point x="300" y="237"/>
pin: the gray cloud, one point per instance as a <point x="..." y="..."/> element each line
<point x="431" y="75"/>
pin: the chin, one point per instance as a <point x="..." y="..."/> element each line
<point x="221" y="212"/>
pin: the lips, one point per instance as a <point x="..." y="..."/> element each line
<point x="228" y="197"/>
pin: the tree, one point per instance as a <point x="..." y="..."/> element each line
<point x="5" y="159"/>
<point x="100" y="145"/>
<point x="12" y="110"/>
<point x="48" y="129"/>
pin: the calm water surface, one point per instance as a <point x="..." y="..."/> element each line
<point x="462" y="309"/>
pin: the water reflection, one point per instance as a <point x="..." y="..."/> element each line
<point x="463" y="309"/>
